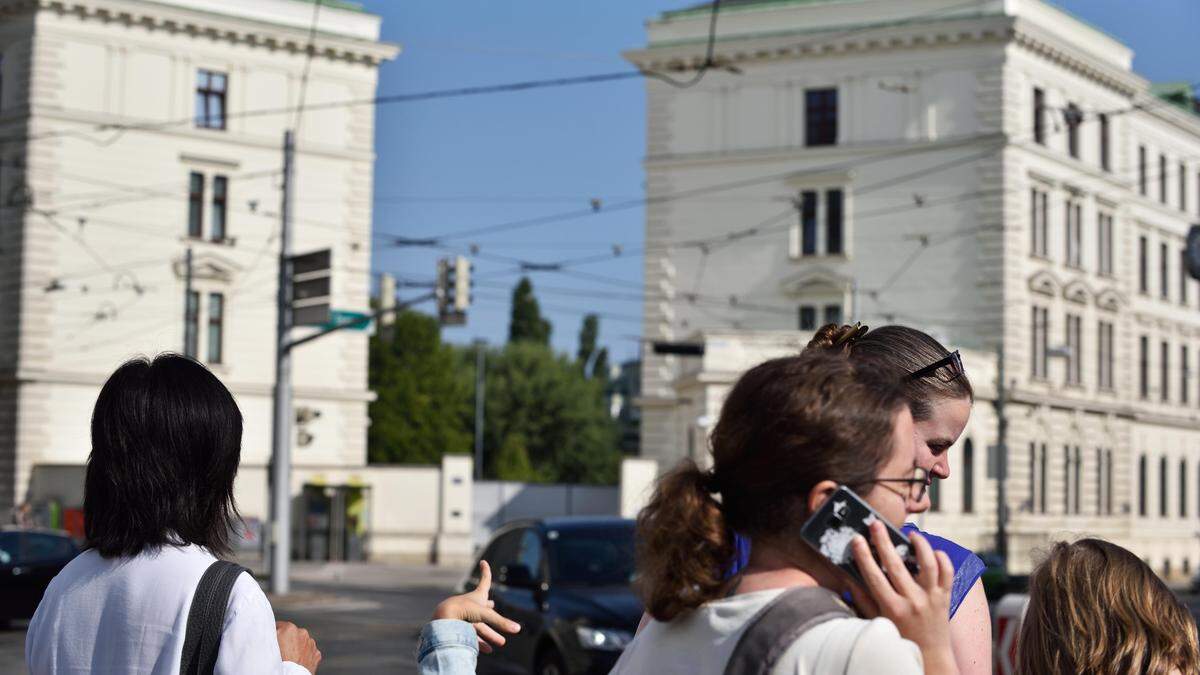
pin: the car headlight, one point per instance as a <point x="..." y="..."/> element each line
<point x="603" y="639"/>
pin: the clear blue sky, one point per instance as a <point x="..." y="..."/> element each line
<point x="462" y="163"/>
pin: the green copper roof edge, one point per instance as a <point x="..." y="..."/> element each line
<point x="824" y="29"/>
<point x="347" y="5"/>
<point x="690" y="11"/>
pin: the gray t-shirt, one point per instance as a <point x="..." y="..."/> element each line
<point x="701" y="641"/>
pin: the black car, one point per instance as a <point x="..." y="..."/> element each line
<point x="567" y="582"/>
<point x="29" y="559"/>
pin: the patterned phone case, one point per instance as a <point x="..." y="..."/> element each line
<point x="830" y="530"/>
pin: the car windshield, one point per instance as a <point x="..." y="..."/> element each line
<point x="591" y="556"/>
<point x="8" y="547"/>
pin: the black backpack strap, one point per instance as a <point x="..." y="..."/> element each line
<point x="778" y="625"/>
<point x="206" y="619"/>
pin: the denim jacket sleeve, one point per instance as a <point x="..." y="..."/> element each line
<point x="447" y="647"/>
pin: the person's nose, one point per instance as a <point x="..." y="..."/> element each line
<point x="941" y="468"/>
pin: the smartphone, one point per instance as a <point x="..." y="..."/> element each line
<point x="831" y="529"/>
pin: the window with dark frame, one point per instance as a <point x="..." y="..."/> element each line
<point x="1183" y="498"/>
<point x="1164" y="279"/>
<point x="1038" y="216"/>
<point x="808" y="317"/>
<point x="833" y="314"/>
<point x="833" y="222"/>
<point x="1183" y="277"/>
<point x="1041" y="328"/>
<point x="820" y="117"/>
<point x="195" y="205"/>
<point x="1162" y="178"/>
<point x="1142" y="486"/>
<point x="1032" y="475"/>
<point x="1066" y="484"/>
<point x="1143" y="188"/>
<point x="1073" y="116"/>
<point x="1182" y="186"/>
<point x="1076" y="491"/>
<point x="216" y="328"/>
<point x="808" y="223"/>
<point x="1074" y="326"/>
<point x="1104" y="262"/>
<point x="968" y="494"/>
<point x="1039" y="116"/>
<point x="1105" y="164"/>
<point x="211" y="88"/>
<point x="1099" y="481"/>
<point x="220" y="198"/>
<point x="1104" y="370"/>
<point x="1108" y="482"/>
<point x="1144" y="367"/>
<point x="191" y="325"/>
<point x="935" y="495"/>
<point x="1185" y="376"/>
<point x="1074" y="231"/>
<point x="1164" y="366"/>
<point x="1162" y="487"/>
<point x="1042" y="478"/>
<point x="1143" y="264"/>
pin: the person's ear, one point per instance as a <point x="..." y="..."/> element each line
<point x="819" y="493"/>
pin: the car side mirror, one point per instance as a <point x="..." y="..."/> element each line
<point x="518" y="576"/>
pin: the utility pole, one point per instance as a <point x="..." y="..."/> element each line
<point x="281" y="467"/>
<point x="480" y="393"/>
<point x="189" y="312"/>
<point x="1001" y="456"/>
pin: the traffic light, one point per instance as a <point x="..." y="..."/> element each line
<point x="453" y="290"/>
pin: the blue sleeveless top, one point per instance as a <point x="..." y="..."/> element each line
<point x="967" y="566"/>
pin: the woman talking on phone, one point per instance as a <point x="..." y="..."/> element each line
<point x="791" y="432"/>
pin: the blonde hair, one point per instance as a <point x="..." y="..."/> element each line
<point x="1094" y="607"/>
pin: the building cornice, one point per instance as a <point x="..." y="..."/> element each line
<point x="1039" y="41"/>
<point x="218" y="27"/>
<point x="798" y="44"/>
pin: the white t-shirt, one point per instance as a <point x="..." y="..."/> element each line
<point x="701" y="642"/>
<point x="129" y="615"/>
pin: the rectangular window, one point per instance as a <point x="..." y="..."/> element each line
<point x="216" y="327"/>
<point x="1032" y="475"/>
<point x="935" y="495"/>
<point x="1066" y="484"/>
<point x="1143" y="265"/>
<point x="1039" y="116"/>
<point x="1182" y="186"/>
<point x="1183" y="488"/>
<point x="220" y="198"/>
<point x="1104" y="263"/>
<point x="1143" y="188"/>
<point x="1108" y="482"/>
<point x="1183" y="277"/>
<point x="1074" y="214"/>
<point x="1144" y="366"/>
<point x="210" y="99"/>
<point x="1185" y="377"/>
<point x="1162" y="178"/>
<point x="1164" y="278"/>
<point x="1162" y="487"/>
<point x="808" y="317"/>
<point x="195" y="205"/>
<point x="1075" y="346"/>
<point x="833" y="222"/>
<point x="1040" y="342"/>
<point x="191" y="325"/>
<point x="833" y="314"/>
<point x="1038" y="214"/>
<point x="820" y="117"/>
<point x="1042" y="480"/>
<point x="1073" y="116"/>
<point x="808" y="223"/>
<point x="1164" y="370"/>
<point x="1104" y="369"/>
<point x="1076" y="486"/>
<point x="1104" y="159"/>
<point x="1099" y="481"/>
<point x="1142" y="486"/>
<point x="968" y="494"/>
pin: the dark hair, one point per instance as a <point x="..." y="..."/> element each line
<point x="787" y="424"/>
<point x="1094" y="607"/>
<point x="897" y="352"/>
<point x="166" y="442"/>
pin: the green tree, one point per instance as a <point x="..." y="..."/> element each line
<point x="561" y="416"/>
<point x="600" y="367"/>
<point x="526" y="323"/>
<point x="588" y="333"/>
<point x="422" y="407"/>
<point x="512" y="461"/>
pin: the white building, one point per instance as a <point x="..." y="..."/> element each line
<point x="992" y="172"/>
<point x="132" y="131"/>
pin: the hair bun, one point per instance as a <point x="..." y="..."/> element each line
<point x="835" y="337"/>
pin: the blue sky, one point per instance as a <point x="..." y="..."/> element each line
<point x="457" y="164"/>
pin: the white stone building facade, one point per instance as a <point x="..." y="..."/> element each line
<point x="994" y="173"/>
<point x="132" y="131"/>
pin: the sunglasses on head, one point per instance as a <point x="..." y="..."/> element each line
<point x="947" y="369"/>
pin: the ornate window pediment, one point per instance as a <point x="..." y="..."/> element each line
<point x="208" y="267"/>
<point x="814" y="281"/>
<point x="1044" y="283"/>
<point x="1077" y="292"/>
<point x="1109" y="299"/>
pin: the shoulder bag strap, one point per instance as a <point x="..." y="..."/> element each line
<point x="774" y="629"/>
<point x="206" y="619"/>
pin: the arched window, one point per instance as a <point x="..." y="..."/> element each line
<point x="1142" y="486"/>
<point x="968" y="503"/>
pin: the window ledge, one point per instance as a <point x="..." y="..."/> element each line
<point x="227" y="241"/>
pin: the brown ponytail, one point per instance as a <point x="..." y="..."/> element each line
<point x="785" y="426"/>
<point x="683" y="545"/>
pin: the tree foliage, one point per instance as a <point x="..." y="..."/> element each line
<point x="526" y="323"/>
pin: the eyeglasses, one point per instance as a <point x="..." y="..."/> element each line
<point x="918" y="485"/>
<point x="948" y="369"/>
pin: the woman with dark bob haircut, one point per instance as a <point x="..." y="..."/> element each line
<point x="158" y="510"/>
